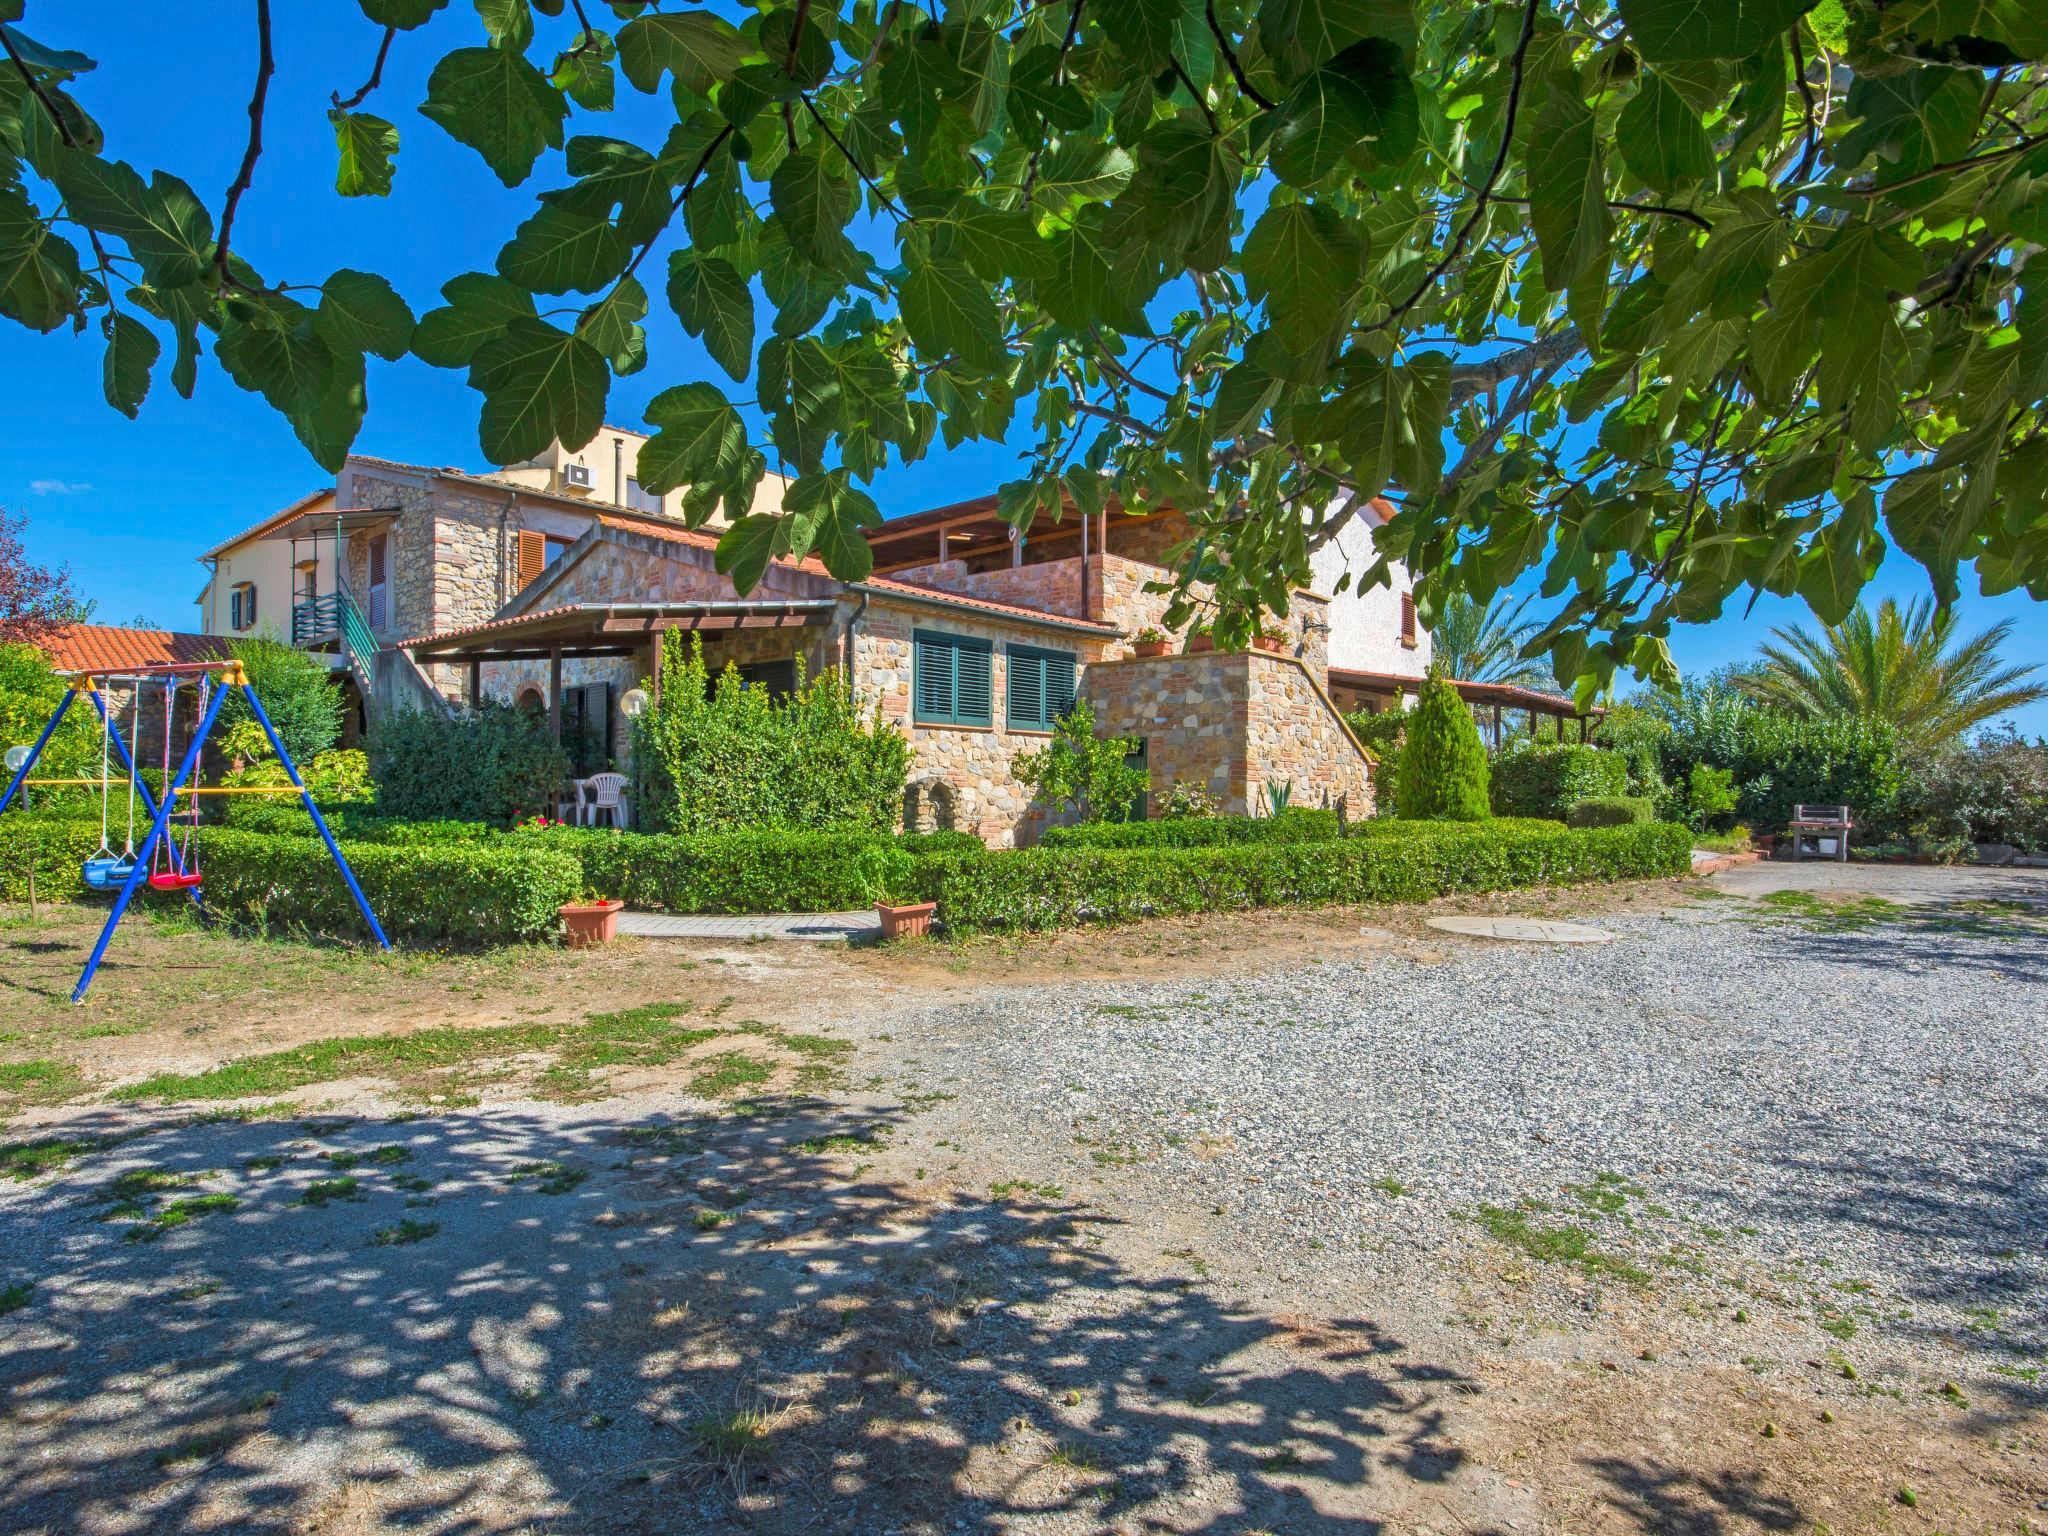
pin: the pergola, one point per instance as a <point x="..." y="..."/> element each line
<point x="1491" y="702"/>
<point x="602" y="629"/>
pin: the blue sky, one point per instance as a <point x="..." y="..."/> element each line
<point x="129" y="505"/>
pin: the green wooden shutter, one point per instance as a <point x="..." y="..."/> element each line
<point x="1059" y="685"/>
<point x="1025" y="705"/>
<point x="934" y="678"/>
<point x="1041" y="687"/>
<point x="953" y="679"/>
<point x="975" y="694"/>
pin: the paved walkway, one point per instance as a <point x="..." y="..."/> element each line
<point x="825" y="927"/>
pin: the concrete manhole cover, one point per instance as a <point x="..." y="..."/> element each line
<point x="1532" y="930"/>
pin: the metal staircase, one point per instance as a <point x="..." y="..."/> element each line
<point x="387" y="677"/>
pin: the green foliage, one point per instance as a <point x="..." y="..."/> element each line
<point x="1709" y="797"/>
<point x="300" y="696"/>
<point x="1778" y="760"/>
<point x="1549" y="781"/>
<point x="1482" y="642"/>
<point x="338" y="777"/>
<point x="54" y="845"/>
<point x="767" y="870"/>
<point x="1611" y="811"/>
<point x="1901" y="667"/>
<point x="1041" y="888"/>
<point x="1992" y="790"/>
<point x="1081" y="774"/>
<point x="1185" y="799"/>
<point x="1383" y="734"/>
<point x="1636" y="733"/>
<point x="493" y="763"/>
<point x="1797" y="234"/>
<point x="1443" y="772"/>
<point x="30" y="691"/>
<point x="483" y="894"/>
<point x="715" y="755"/>
<point x="1298" y="824"/>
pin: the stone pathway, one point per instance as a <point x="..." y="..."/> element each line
<point x="823" y="927"/>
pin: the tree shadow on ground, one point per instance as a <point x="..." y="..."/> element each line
<point x="569" y="1321"/>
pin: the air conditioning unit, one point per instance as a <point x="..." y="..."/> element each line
<point x="576" y="478"/>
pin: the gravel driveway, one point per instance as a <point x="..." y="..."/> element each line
<point x="1850" y="1101"/>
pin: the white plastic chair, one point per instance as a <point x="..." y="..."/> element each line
<point x="605" y="792"/>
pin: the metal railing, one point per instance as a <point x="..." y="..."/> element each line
<point x="316" y="619"/>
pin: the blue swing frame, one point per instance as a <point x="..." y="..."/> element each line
<point x="160" y="812"/>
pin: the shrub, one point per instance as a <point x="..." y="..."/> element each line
<point x="1548" y="781"/>
<point x="1089" y="776"/>
<point x="480" y="894"/>
<point x="1993" y="790"/>
<point x="338" y="777"/>
<point x="1382" y="735"/>
<point x="1612" y="811"/>
<point x="493" y="764"/>
<point x="1185" y="800"/>
<point x="1443" y="765"/>
<point x="300" y="696"/>
<point x="30" y="690"/>
<point x="715" y="755"/>
<point x="1779" y="760"/>
<point x="770" y="870"/>
<point x="1297" y="825"/>
<point x="1041" y="888"/>
<point x="54" y="845"/>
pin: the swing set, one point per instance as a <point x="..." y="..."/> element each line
<point x="164" y="860"/>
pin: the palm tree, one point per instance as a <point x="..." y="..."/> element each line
<point x="1481" y="644"/>
<point x="1898" y="667"/>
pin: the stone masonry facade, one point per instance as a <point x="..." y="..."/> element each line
<point x="1232" y="723"/>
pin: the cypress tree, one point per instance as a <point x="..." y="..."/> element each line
<point x="1443" y="773"/>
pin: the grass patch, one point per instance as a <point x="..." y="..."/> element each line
<point x="1608" y="1194"/>
<point x="384" y="1157"/>
<point x="323" y="1191"/>
<point x="1848" y="916"/>
<point x="407" y="1231"/>
<point x="39" y="1082"/>
<point x="198" y="1448"/>
<point x="1564" y="1244"/>
<point x="14" y="1297"/>
<point x="633" y="1037"/>
<point x="729" y="1072"/>
<point x="178" y="1213"/>
<point x="731" y="1437"/>
<point x="1392" y="1187"/>
<point x="139" y="1183"/>
<point x="868" y="1140"/>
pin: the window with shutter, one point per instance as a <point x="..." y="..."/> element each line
<point x="952" y="682"/>
<point x="533" y="556"/>
<point x="1041" y="687"/>
<point x="1408" y="621"/>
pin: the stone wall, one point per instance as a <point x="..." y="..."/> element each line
<point x="1231" y="724"/>
<point x="1050" y="586"/>
<point x="974" y="764"/>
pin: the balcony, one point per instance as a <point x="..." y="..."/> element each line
<point x="316" y="622"/>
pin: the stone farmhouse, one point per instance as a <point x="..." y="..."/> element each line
<point x="552" y="584"/>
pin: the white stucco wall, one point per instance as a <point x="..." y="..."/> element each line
<point x="1365" y="627"/>
<point x="267" y="563"/>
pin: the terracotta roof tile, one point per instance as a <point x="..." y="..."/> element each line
<point x="98" y="647"/>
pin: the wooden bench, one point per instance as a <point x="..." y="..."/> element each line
<point x="1818" y="826"/>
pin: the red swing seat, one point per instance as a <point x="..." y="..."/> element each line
<point x="171" y="880"/>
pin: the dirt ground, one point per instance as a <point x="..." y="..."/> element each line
<point x="674" y="1237"/>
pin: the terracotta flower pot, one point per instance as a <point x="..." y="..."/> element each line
<point x="592" y="922"/>
<point x="1152" y="647"/>
<point x="906" y="920"/>
<point x="1200" y="643"/>
<point x="1272" y="643"/>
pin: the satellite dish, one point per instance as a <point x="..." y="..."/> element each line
<point x="16" y="756"/>
<point x="634" y="704"/>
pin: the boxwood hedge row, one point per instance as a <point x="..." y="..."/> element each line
<point x="1299" y="825"/>
<point x="1041" y="888"/>
<point x="461" y="895"/>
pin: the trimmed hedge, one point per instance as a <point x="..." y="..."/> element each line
<point x="1295" y="825"/>
<point x="1043" y="888"/>
<point x="1549" y="781"/>
<point x="1612" y="811"/>
<point x="767" y="871"/>
<point x="56" y="846"/>
<point x="467" y="895"/>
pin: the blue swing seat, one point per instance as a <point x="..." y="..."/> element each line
<point x="98" y="871"/>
